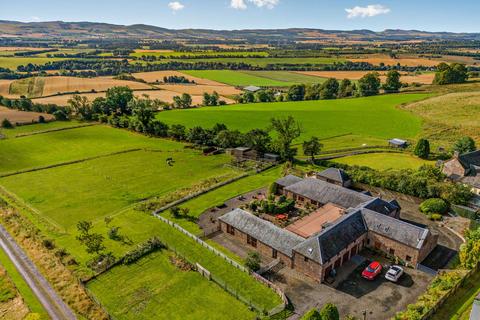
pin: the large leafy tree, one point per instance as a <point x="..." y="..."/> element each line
<point x="117" y="98"/>
<point x="329" y="89"/>
<point x="258" y="140"/>
<point x="448" y="74"/>
<point x="312" y="147"/>
<point x="287" y="130"/>
<point x="392" y="83"/>
<point x="296" y="92"/>
<point x="369" y="84"/>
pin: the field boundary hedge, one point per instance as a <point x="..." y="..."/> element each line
<point x="66" y="163"/>
<point x="21" y="135"/>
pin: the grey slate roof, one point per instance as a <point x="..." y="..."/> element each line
<point x="334" y="174"/>
<point x="252" y="88"/>
<point x="470" y="159"/>
<point x="277" y="238"/>
<point x="288" y="180"/>
<point x="324" y="192"/>
<point x="401" y="231"/>
<point x="398" y="142"/>
<point x="382" y="206"/>
<point x="329" y="242"/>
<point x="475" y="314"/>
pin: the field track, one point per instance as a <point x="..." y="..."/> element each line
<point x="52" y="303"/>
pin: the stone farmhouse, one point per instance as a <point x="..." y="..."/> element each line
<point x="465" y="168"/>
<point x="343" y="222"/>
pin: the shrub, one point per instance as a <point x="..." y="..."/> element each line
<point x="6" y="124"/>
<point x="329" y="312"/>
<point x="252" y="262"/>
<point x="422" y="149"/>
<point x="313" y="314"/>
<point x="435" y="217"/>
<point x="464" y="145"/>
<point x="143" y="249"/>
<point x="49" y="244"/>
<point x="60" y="115"/>
<point x="434" y="205"/>
<point x="41" y="119"/>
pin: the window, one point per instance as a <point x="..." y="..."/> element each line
<point x="230" y="230"/>
<point x="408" y="258"/>
<point x="274" y="254"/>
<point x="368" y="242"/>
<point x="305" y="259"/>
<point x="252" y="241"/>
<point x="391" y="252"/>
<point x="301" y="199"/>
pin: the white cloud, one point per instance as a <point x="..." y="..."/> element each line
<point x="242" y="4"/>
<point x="368" y="11"/>
<point x="176" y="6"/>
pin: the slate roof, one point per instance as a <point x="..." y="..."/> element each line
<point x="398" y="142"/>
<point x="334" y="174"/>
<point x="401" y="231"/>
<point x="382" y="206"/>
<point x="264" y="231"/>
<point x="252" y="88"/>
<point x="475" y="314"/>
<point x="470" y="159"/>
<point x="329" y="242"/>
<point x="288" y="180"/>
<point x="324" y="192"/>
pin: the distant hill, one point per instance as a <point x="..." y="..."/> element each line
<point x="95" y="30"/>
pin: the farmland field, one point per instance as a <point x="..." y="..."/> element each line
<point x="236" y="78"/>
<point x="22" y="117"/>
<point x="410" y="61"/>
<point x="157" y="289"/>
<point x="379" y="117"/>
<point x="175" y="54"/>
<point x="287" y="76"/>
<point x="424" y="78"/>
<point x="384" y="161"/>
<point x="14" y="62"/>
<point x="157" y="76"/>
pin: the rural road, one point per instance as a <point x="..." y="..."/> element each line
<point x="53" y="304"/>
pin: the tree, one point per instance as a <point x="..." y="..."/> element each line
<point x="422" y="149"/>
<point x="312" y="92"/>
<point x="329" y="312"/>
<point x="258" y="140"/>
<point x="434" y="205"/>
<point x="143" y="110"/>
<point x="346" y="89"/>
<point x="296" y="92"/>
<point x="470" y="250"/>
<point x="312" y="147"/>
<point x="312" y="314"/>
<point x="210" y="99"/>
<point x="182" y="102"/>
<point x="60" y="115"/>
<point x="464" y="145"/>
<point x="369" y="84"/>
<point x="252" y="262"/>
<point x="228" y="139"/>
<point x="92" y="241"/>
<point x="287" y="130"/>
<point x="177" y="132"/>
<point x="329" y="89"/>
<point x="264" y="96"/>
<point x="392" y="83"/>
<point x="6" y="124"/>
<point x="117" y="98"/>
<point x="81" y="107"/>
<point x="448" y="74"/>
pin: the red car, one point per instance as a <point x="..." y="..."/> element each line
<point x="372" y="271"/>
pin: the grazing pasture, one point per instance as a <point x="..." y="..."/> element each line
<point x="384" y="161"/>
<point x="237" y="78"/>
<point x="22" y="117"/>
<point x="376" y="117"/>
<point x="157" y="289"/>
<point x="13" y="62"/>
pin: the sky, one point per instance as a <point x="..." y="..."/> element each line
<point x="377" y="15"/>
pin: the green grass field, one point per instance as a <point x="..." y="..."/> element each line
<point x="286" y="76"/>
<point x="155" y="289"/>
<point x="236" y="78"/>
<point x="384" y="161"/>
<point x="372" y="117"/>
<point x="175" y="54"/>
<point x="14" y="62"/>
<point x="40" y="127"/>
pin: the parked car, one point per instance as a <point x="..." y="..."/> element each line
<point x="394" y="273"/>
<point x="372" y="270"/>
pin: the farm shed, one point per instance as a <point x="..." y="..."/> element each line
<point x="252" y="89"/>
<point x="397" y="143"/>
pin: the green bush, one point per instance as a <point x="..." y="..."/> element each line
<point x="313" y="314"/>
<point x="252" y="262"/>
<point x="435" y="217"/>
<point x="6" y="124"/>
<point x="143" y="249"/>
<point x="329" y="312"/>
<point x="434" y="205"/>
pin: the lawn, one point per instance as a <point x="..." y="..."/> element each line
<point x="372" y="117"/>
<point x="40" y="127"/>
<point x="14" y="62"/>
<point x="75" y="144"/>
<point x="155" y="289"/>
<point x="384" y="161"/>
<point x="92" y="189"/>
<point x="236" y="78"/>
<point x="286" y="76"/>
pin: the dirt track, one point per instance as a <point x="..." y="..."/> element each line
<point x="53" y="304"/>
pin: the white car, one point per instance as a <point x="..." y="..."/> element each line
<point x="394" y="273"/>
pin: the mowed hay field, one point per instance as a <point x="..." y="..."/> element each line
<point x="5" y="88"/>
<point x="22" y="117"/>
<point x="236" y="78"/>
<point x="384" y="161"/>
<point x="158" y="290"/>
<point x="423" y="78"/>
<point x="449" y="117"/>
<point x="409" y="61"/>
<point x="376" y="117"/>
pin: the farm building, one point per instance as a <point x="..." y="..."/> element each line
<point x="465" y="168"/>
<point x="252" y="89"/>
<point x="397" y="143"/>
<point x="344" y="222"/>
<point x="245" y="153"/>
<point x="336" y="176"/>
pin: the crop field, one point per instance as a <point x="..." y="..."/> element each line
<point x="37" y="87"/>
<point x="384" y="161"/>
<point x="200" y="89"/>
<point x="14" y="62"/>
<point x="237" y="78"/>
<point x="157" y="289"/>
<point x="423" y="78"/>
<point x="379" y="117"/>
<point x="449" y="117"/>
<point x="21" y="117"/>
<point x="5" y="88"/>
<point x="157" y="76"/>
<point x="286" y="76"/>
<point x="410" y="61"/>
<point x="176" y="54"/>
